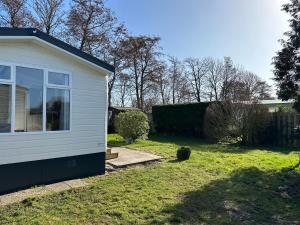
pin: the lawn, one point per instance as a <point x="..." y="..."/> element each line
<point x="220" y="184"/>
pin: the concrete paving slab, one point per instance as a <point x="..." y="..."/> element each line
<point x="58" y="187"/>
<point x="22" y="195"/>
<point x="76" y="183"/>
<point x="128" y="157"/>
<point x="41" y="191"/>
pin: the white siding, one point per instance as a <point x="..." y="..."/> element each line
<point x="88" y="123"/>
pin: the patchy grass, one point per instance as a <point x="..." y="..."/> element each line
<point x="220" y="184"/>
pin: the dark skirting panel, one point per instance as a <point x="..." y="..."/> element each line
<point x="19" y="176"/>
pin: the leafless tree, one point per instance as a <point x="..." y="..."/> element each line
<point x="176" y="71"/>
<point x="123" y="83"/>
<point x="141" y="55"/>
<point x="229" y="76"/>
<point x="264" y="91"/>
<point x="14" y="13"/>
<point x="88" y="24"/>
<point x="113" y="48"/>
<point x="214" y="78"/>
<point x="162" y="82"/>
<point x="249" y="87"/>
<point x="196" y="70"/>
<point x="49" y="14"/>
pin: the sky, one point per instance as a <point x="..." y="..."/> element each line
<point x="246" y="30"/>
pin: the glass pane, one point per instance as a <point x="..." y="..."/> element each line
<point x="5" y="108"/>
<point x="5" y="72"/>
<point x="58" y="109"/>
<point x="29" y="99"/>
<point x="58" y="78"/>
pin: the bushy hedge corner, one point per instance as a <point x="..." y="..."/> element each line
<point x="180" y="119"/>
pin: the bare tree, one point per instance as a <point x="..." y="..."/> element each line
<point x="264" y="91"/>
<point x="113" y="49"/>
<point x="229" y="77"/>
<point x="123" y="88"/>
<point x="176" y="75"/>
<point x="141" y="55"/>
<point x="14" y="13"/>
<point x="196" y="71"/>
<point x="49" y="14"/>
<point x="88" y="24"/>
<point x="249" y="87"/>
<point x="214" y="78"/>
<point x="163" y="82"/>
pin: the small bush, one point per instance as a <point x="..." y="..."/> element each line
<point x="132" y="125"/>
<point x="183" y="153"/>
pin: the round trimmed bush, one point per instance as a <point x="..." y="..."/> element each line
<point x="132" y="125"/>
<point x="183" y="153"/>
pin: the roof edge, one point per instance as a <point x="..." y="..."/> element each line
<point x="33" y="32"/>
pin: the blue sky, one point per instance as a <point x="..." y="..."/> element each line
<point x="246" y="30"/>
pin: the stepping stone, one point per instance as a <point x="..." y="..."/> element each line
<point x="129" y="157"/>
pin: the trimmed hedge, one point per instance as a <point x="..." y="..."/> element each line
<point x="180" y="119"/>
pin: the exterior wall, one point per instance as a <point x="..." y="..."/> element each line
<point x="88" y="109"/>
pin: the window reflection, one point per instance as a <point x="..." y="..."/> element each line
<point x="58" y="109"/>
<point x="5" y="108"/>
<point x="29" y="99"/>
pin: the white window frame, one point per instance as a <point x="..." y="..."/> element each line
<point x="56" y="86"/>
<point x="12" y="82"/>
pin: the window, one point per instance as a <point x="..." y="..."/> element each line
<point x="5" y="72"/>
<point x="5" y="99"/>
<point x="29" y="100"/>
<point x="58" y="109"/>
<point x="58" y="102"/>
<point x="5" y="108"/>
<point x="34" y="100"/>
<point x="58" y="78"/>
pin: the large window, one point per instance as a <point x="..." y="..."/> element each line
<point x="29" y="99"/>
<point x="34" y="100"/>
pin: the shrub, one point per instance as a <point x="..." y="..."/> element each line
<point x="217" y="121"/>
<point x="180" y="119"/>
<point x="183" y="153"/>
<point x="246" y="122"/>
<point x="132" y="125"/>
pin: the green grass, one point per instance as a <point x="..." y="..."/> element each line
<point x="220" y="184"/>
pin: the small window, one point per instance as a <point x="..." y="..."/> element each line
<point x="58" y="78"/>
<point x="58" y="109"/>
<point x="5" y="72"/>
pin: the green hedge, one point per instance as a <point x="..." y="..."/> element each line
<point x="180" y="119"/>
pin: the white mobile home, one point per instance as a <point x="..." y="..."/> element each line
<point x="53" y="103"/>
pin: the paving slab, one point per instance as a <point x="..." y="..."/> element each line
<point x="128" y="157"/>
<point x="41" y="191"/>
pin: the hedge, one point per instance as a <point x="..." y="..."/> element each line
<point x="180" y="119"/>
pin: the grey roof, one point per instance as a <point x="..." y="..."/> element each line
<point x="32" y="32"/>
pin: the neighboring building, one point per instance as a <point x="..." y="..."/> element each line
<point x="53" y="104"/>
<point x="276" y="105"/>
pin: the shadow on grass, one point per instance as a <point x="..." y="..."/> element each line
<point x="249" y="196"/>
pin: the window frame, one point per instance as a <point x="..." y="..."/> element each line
<point x="46" y="71"/>
<point x="56" y="86"/>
